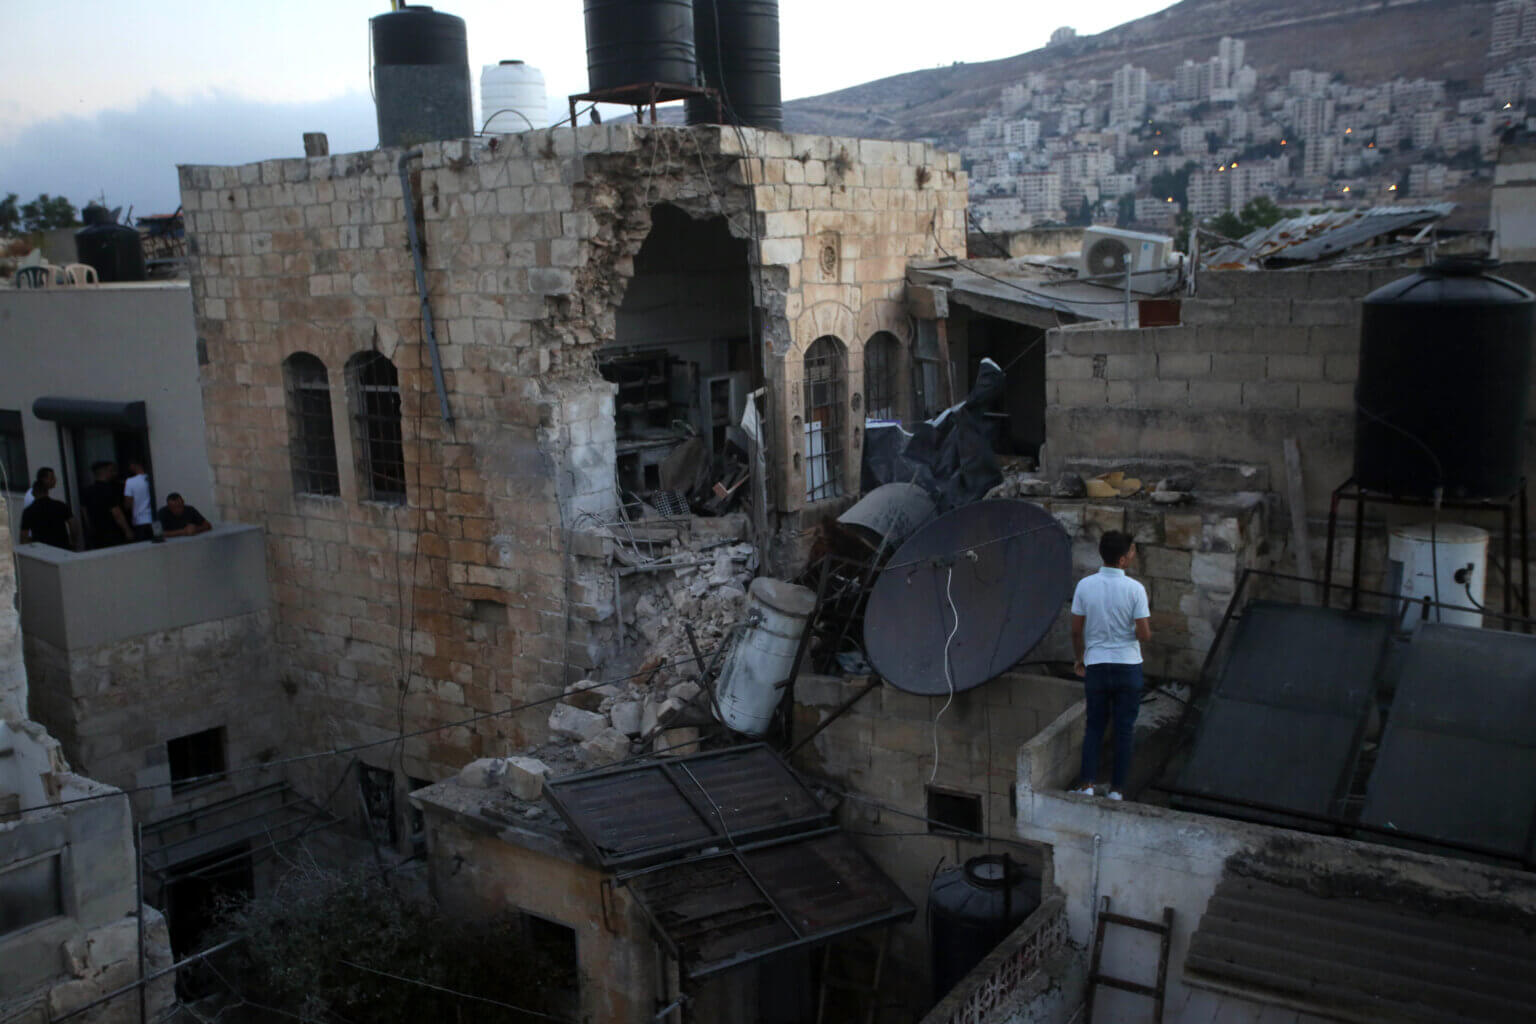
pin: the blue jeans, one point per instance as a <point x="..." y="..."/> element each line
<point x="1113" y="691"/>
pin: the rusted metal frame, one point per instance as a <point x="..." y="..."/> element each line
<point x="1445" y="605"/>
<point x="887" y="918"/>
<point x="751" y="875"/>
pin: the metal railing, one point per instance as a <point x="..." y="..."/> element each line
<point x="1015" y="961"/>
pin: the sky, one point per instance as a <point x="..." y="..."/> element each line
<point x="105" y="97"/>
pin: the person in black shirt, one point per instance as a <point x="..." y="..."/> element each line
<point x="178" y="519"/>
<point x="102" y="501"/>
<point x="47" y="520"/>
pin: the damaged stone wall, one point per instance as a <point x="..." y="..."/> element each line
<point x="50" y="966"/>
<point x="488" y="587"/>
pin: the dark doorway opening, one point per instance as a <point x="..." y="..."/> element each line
<point x="1017" y="425"/>
<point x="198" y="893"/>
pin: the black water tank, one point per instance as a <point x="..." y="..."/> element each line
<point x="1445" y="366"/>
<point x="634" y="42"/>
<point x="421" y="77"/>
<point x="973" y="908"/>
<point x="112" y="249"/>
<point x="741" y="59"/>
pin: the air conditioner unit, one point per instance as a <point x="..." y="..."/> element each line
<point x="1106" y="251"/>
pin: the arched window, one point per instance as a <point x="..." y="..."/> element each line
<point x="882" y="354"/>
<point x="311" y="434"/>
<point x="375" y="391"/>
<point x="825" y="396"/>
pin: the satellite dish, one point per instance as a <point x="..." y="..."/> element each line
<point x="1008" y="569"/>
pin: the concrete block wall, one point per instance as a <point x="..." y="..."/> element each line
<point x="13" y="672"/>
<point x="1259" y="357"/>
<point x="454" y="604"/>
<point x="883" y="749"/>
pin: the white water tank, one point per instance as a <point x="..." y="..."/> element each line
<point x="748" y="690"/>
<point x="512" y="98"/>
<point x="1412" y="558"/>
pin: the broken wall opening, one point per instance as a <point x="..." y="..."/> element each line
<point x="682" y="365"/>
<point x="1017" y="425"/>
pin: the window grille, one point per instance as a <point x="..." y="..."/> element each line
<point x="880" y="360"/>
<point x="825" y="396"/>
<point x="311" y="433"/>
<point x="376" y="411"/>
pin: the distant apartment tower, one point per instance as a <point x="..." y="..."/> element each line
<point x="1426" y="179"/>
<point x="1309" y="83"/>
<point x="1314" y="117"/>
<point x="1128" y="94"/>
<point x="1506" y="85"/>
<point x="1233" y="53"/>
<point x="1207" y="193"/>
<point x="1040" y="191"/>
<point x="1021" y="134"/>
<point x="1426" y="126"/>
<point x="1322" y="155"/>
<point x="1514" y="26"/>
<point x="1065" y="34"/>
<point x="1192" y="139"/>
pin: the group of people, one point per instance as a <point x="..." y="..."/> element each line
<point x="115" y="511"/>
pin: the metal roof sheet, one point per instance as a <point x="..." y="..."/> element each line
<point x="1324" y="235"/>
<point x="1350" y="958"/>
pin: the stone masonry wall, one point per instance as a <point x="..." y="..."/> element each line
<point x="115" y="707"/>
<point x="480" y="592"/>
<point x="883" y="749"/>
<point x="13" y="673"/>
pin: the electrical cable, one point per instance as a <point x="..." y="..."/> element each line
<point x="949" y="678"/>
<point x="343" y="751"/>
<point x="456" y="993"/>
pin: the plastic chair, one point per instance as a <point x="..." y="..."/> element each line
<point x="33" y="277"/>
<point x="81" y="273"/>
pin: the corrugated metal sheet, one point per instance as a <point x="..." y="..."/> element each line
<point x="646" y="813"/>
<point x="1356" y="959"/>
<point x="1323" y="235"/>
<point x="743" y="904"/>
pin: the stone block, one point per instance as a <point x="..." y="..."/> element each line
<point x="1327" y="395"/>
<point x="1214" y="570"/>
<point x="1184" y="530"/>
<point x="605" y="747"/>
<point x="1165" y="563"/>
<point x="1067" y="367"/>
<point x="678" y="741"/>
<point x="1325" y="312"/>
<point x="1079" y="392"/>
<point x="1197" y="312"/>
<point x="1270" y="395"/>
<point x="1145" y="525"/>
<point x="483" y="773"/>
<point x="525" y="777"/>
<point x="551" y="281"/>
<point x="1130" y="366"/>
<point x="1216" y="394"/>
<point x="1100" y="519"/>
<point x="1339" y="339"/>
<point x="781" y="251"/>
<point x="1158" y="394"/>
<point x="574" y="723"/>
<point x="626" y="716"/>
<point x="1101" y="341"/>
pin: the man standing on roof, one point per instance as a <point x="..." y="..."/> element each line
<point x="1110" y="622"/>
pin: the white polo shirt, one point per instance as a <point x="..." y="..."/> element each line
<point x="1112" y="602"/>
<point x="137" y="488"/>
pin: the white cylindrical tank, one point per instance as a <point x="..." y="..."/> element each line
<point x="512" y="98"/>
<point x="1413" y="559"/>
<point x="748" y="689"/>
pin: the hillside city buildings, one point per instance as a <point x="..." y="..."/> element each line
<point x="1139" y="150"/>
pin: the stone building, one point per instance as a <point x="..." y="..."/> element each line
<point x="435" y="553"/>
<point x="70" y="924"/>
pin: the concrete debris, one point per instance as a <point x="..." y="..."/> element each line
<point x="525" y="777"/>
<point x="482" y="774"/>
<point x="585" y="694"/>
<point x="684" y="691"/>
<point x="575" y="723"/>
<point x="1070" y="485"/>
<point x="678" y="741"/>
<point x="605" y="747"/>
<point x="626" y="716"/>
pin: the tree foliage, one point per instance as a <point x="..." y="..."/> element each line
<point x="47" y="212"/>
<point x="10" y="214"/>
<point x="1174" y="183"/>
<point x="299" y="937"/>
<point x="1259" y="212"/>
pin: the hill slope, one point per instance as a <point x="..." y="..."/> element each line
<point x="1366" y="41"/>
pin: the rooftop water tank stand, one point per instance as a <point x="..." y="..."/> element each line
<point x="1517" y="600"/>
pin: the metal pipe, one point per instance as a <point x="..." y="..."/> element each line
<point x="138" y="849"/>
<point x="421" y="283"/>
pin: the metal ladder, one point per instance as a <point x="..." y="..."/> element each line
<point x="866" y="993"/>
<point x="1163" y="930"/>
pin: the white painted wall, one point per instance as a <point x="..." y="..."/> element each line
<point x="129" y="342"/>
